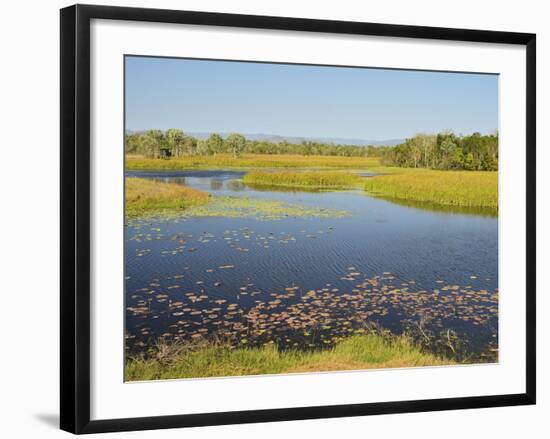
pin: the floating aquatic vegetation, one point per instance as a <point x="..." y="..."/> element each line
<point x="241" y="240"/>
<point x="259" y="209"/>
<point x="298" y="318"/>
<point x="232" y="207"/>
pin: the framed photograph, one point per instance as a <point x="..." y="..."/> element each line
<point x="273" y="218"/>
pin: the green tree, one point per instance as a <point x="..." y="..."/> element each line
<point x="215" y="144"/>
<point x="190" y="145"/>
<point x="235" y="144"/>
<point x="469" y="164"/>
<point x="133" y="144"/>
<point x="457" y="159"/>
<point x="203" y="148"/>
<point x="427" y="144"/>
<point x="415" y="152"/>
<point x="447" y="148"/>
<point x="175" y="141"/>
<point x="489" y="162"/>
<point x="153" y="141"/>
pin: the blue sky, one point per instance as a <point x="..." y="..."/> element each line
<point x="307" y="101"/>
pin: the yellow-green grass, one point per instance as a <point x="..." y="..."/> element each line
<point x="307" y="179"/>
<point x="449" y="188"/>
<point x="224" y="161"/>
<point x="358" y="352"/>
<point x="150" y="197"/>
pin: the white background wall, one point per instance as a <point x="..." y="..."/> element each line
<point x="29" y="106"/>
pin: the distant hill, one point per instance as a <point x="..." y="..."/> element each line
<point x="275" y="138"/>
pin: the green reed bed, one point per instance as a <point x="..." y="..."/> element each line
<point x="450" y="188"/>
<point x="148" y="197"/>
<point x="370" y="351"/>
<point x="305" y="179"/>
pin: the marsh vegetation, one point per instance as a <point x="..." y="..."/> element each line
<point x="448" y="188"/>
<point x="250" y="161"/>
<point x="149" y="197"/>
<point x="304" y="179"/>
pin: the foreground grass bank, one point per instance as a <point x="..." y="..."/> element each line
<point x="150" y="197"/>
<point x="224" y="161"/>
<point x="449" y="188"/>
<point x="311" y="179"/>
<point x="369" y="351"/>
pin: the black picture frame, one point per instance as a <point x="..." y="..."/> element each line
<point x="75" y="217"/>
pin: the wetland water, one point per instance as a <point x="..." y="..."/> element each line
<point x="308" y="281"/>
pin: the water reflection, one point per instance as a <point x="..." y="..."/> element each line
<point x="235" y="185"/>
<point x="433" y="207"/>
<point x="291" y="189"/>
<point x="167" y="179"/>
<point x="216" y="184"/>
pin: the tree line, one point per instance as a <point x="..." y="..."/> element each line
<point x="444" y="150"/>
<point x="175" y="143"/>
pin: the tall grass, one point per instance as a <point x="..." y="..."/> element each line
<point x="148" y="197"/>
<point x="451" y="188"/>
<point x="311" y="179"/>
<point x="357" y="352"/>
<point x="251" y="161"/>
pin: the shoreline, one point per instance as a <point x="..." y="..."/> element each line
<point x="357" y="352"/>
